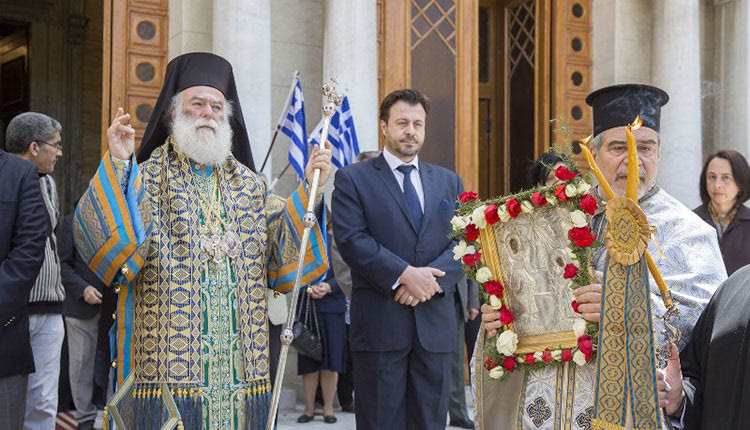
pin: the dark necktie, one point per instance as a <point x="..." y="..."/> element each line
<point x="412" y="199"/>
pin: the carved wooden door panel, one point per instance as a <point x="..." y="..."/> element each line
<point x="134" y="61"/>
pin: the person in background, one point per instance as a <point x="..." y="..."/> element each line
<point x="35" y="137"/>
<point x="343" y="274"/>
<point x="24" y="229"/>
<point x="330" y="307"/>
<point x="467" y="309"/>
<point x="724" y="187"/>
<point x="540" y="174"/>
<point x="83" y="297"/>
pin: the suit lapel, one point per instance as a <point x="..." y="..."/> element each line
<point x="383" y="171"/>
<point x="429" y="189"/>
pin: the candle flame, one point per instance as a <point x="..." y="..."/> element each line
<point x="636" y="124"/>
<point x="586" y="139"/>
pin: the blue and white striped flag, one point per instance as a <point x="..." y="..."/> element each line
<point x="294" y="127"/>
<point x="341" y="134"/>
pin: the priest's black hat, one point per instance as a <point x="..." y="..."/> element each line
<point x="618" y="105"/>
<point x="190" y="70"/>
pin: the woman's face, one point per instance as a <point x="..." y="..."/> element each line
<point x="720" y="184"/>
<point x="551" y="179"/>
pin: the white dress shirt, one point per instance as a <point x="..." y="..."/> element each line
<point x="416" y="180"/>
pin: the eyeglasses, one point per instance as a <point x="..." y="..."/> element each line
<point x="58" y="146"/>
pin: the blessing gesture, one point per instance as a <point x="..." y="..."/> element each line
<point x="121" y="136"/>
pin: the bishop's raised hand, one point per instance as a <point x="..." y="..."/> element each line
<point x="121" y="136"/>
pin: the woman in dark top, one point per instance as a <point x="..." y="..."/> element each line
<point x="724" y="187"/>
<point x="330" y="307"/>
<point x="540" y="173"/>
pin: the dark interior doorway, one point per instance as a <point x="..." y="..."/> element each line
<point x="14" y="74"/>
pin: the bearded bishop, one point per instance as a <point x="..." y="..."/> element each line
<point x="188" y="235"/>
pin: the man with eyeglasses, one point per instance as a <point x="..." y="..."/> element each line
<point x="35" y="137"/>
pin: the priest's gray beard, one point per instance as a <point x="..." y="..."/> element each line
<point x="200" y="144"/>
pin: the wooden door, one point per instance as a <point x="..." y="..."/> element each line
<point x="431" y="45"/>
<point x="134" y="61"/>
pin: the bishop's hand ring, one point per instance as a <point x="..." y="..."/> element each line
<point x="410" y="297"/>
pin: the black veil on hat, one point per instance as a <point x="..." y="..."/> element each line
<point x="618" y="105"/>
<point x="190" y="70"/>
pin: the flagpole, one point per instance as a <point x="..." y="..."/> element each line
<point x="276" y="179"/>
<point x="332" y="99"/>
<point x="295" y="77"/>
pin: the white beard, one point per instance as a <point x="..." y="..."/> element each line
<point x="203" y="146"/>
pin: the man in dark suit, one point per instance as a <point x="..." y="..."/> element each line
<point x="83" y="297"/>
<point x="392" y="220"/>
<point x="24" y="228"/>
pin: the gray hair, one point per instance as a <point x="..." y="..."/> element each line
<point x="176" y="101"/>
<point x="29" y="127"/>
<point x="367" y="155"/>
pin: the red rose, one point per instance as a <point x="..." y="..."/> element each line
<point x="575" y="307"/>
<point x="570" y="271"/>
<point x="566" y="355"/>
<point x="589" y="357"/>
<point x="585" y="345"/>
<point x="562" y="173"/>
<point x="538" y="199"/>
<point x="472" y="232"/>
<point x="488" y="364"/>
<point x="467" y="195"/>
<point x="509" y="363"/>
<point x="471" y="260"/>
<point x="490" y="214"/>
<point x="588" y="204"/>
<point x="506" y="316"/>
<point x="581" y="236"/>
<point x="560" y="193"/>
<point x="514" y="208"/>
<point x="546" y="356"/>
<point x="494" y="288"/>
<point x="529" y="359"/>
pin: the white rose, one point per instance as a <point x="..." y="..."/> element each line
<point x="556" y="355"/>
<point x="538" y="356"/>
<point x="502" y="212"/>
<point x="527" y="207"/>
<point x="483" y="275"/>
<point x="578" y="218"/>
<point x="579" y="358"/>
<point x="583" y="188"/>
<point x="571" y="190"/>
<point x="571" y="254"/>
<point x="520" y="360"/>
<point x="477" y="217"/>
<point x="462" y="249"/>
<point x="551" y="199"/>
<point x="495" y="302"/>
<point x="497" y="372"/>
<point x="579" y="327"/>
<point x="507" y="343"/>
<point x="458" y="222"/>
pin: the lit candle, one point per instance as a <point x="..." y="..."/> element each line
<point x="631" y="190"/>
<point x="580" y="146"/>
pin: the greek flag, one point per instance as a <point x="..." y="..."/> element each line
<point x="341" y="134"/>
<point x="294" y="127"/>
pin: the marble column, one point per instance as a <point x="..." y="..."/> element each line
<point x="242" y="35"/>
<point x="350" y="52"/>
<point x="727" y="81"/>
<point x="190" y="26"/>
<point x="675" y="67"/>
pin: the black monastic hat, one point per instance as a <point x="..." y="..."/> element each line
<point x="618" y="105"/>
<point x="190" y="70"/>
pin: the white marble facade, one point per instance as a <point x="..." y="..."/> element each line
<point x="696" y="50"/>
